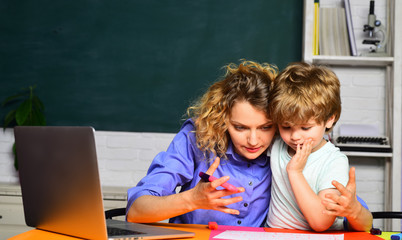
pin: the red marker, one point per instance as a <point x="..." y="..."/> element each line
<point x="226" y="185"/>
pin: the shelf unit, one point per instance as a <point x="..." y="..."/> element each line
<point x="393" y="78"/>
<point x="368" y="154"/>
<point x="352" y="61"/>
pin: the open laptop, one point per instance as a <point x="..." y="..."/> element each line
<point x="60" y="186"/>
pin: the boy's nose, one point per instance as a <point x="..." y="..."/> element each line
<point x="295" y="136"/>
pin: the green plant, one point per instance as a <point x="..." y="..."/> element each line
<point x="28" y="111"/>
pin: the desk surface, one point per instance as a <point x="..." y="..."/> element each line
<point x="201" y="232"/>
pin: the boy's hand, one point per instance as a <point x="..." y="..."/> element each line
<point x="299" y="160"/>
<point x="345" y="204"/>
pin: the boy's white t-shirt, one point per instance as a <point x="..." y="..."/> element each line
<point x="322" y="167"/>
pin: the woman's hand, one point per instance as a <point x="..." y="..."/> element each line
<point x="205" y="196"/>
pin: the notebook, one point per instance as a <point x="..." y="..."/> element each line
<point x="60" y="186"/>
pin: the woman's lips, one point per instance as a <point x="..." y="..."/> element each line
<point x="253" y="150"/>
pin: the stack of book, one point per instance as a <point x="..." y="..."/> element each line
<point x="333" y="31"/>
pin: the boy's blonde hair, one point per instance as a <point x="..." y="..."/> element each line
<point x="249" y="81"/>
<point x="302" y="92"/>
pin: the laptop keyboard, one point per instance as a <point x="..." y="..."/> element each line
<point x="112" y="231"/>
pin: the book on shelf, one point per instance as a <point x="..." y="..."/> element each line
<point x="351" y="34"/>
<point x="316" y="28"/>
<point x="333" y="33"/>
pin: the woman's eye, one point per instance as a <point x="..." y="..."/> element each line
<point x="267" y="127"/>
<point x="239" y="127"/>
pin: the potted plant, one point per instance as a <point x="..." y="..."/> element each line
<point x="28" y="111"/>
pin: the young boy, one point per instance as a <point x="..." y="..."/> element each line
<point x="305" y="103"/>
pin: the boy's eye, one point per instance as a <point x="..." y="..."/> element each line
<point x="305" y="128"/>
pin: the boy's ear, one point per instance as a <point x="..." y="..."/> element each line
<point x="330" y="122"/>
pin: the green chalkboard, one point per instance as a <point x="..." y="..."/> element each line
<point x="130" y="65"/>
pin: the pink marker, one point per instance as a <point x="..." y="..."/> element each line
<point x="226" y="185"/>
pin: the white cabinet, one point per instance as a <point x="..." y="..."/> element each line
<point x="392" y="66"/>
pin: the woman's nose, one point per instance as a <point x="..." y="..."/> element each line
<point x="252" y="138"/>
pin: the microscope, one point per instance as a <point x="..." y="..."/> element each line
<point x="370" y="27"/>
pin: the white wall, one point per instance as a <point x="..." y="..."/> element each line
<point x="123" y="157"/>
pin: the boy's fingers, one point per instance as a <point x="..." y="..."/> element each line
<point x="352" y="180"/>
<point x="330" y="197"/>
<point x="340" y="187"/>
<point x="309" y="146"/>
<point x="330" y="206"/>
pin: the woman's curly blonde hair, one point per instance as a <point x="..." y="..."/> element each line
<point x="249" y="81"/>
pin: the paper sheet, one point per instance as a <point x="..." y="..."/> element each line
<point x="248" y="235"/>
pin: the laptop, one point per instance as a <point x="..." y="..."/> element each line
<point x="61" y="190"/>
